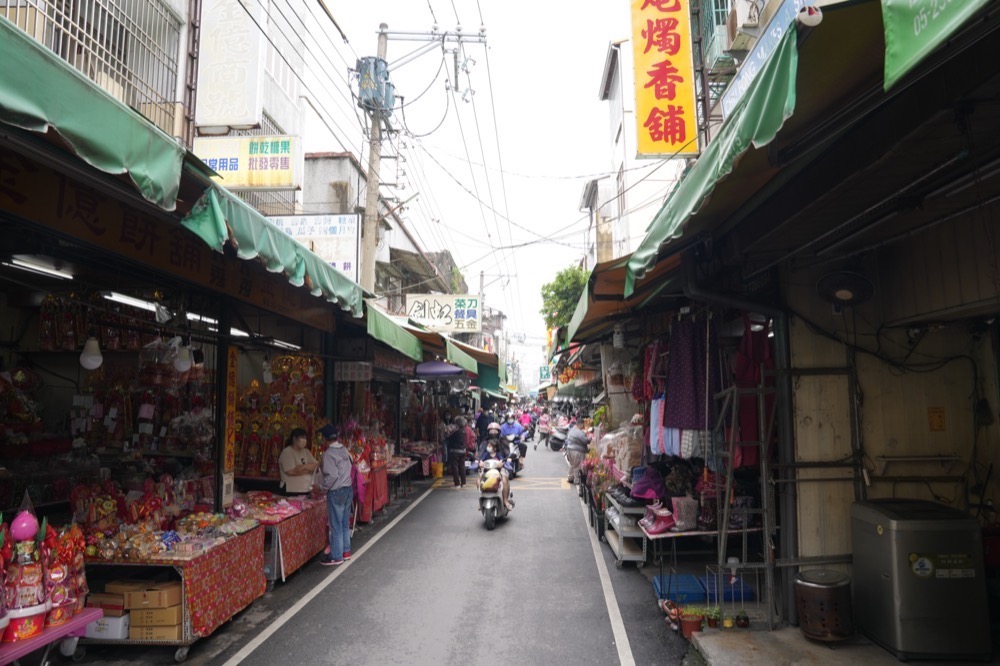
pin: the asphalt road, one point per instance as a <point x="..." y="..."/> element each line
<point x="428" y="584"/>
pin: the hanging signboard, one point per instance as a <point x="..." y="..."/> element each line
<point x="544" y="374"/>
<point x="665" y="110"/>
<point x="335" y="238"/>
<point x="252" y="162"/>
<point x="453" y="313"/>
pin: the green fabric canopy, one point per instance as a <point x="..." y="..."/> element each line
<point x="220" y="212"/>
<point x="489" y="379"/>
<point x="384" y="329"/>
<point x="39" y="91"/>
<point x="460" y="358"/>
<point x="579" y="314"/>
<point x="755" y="121"/>
<point x="913" y="30"/>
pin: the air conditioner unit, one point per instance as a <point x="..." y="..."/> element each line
<point x="741" y="26"/>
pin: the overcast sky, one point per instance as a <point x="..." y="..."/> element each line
<point x="539" y="72"/>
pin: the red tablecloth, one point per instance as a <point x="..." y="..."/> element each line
<point x="224" y="581"/>
<point x="302" y="536"/>
<point x="218" y="584"/>
<point x="376" y="494"/>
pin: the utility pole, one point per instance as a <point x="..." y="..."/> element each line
<point x="369" y="230"/>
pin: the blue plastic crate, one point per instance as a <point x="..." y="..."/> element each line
<point x="739" y="590"/>
<point x="684" y="588"/>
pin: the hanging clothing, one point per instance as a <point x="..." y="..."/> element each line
<point x="752" y="357"/>
<point x="656" y="430"/>
<point x="672" y="441"/>
<point x="692" y="375"/>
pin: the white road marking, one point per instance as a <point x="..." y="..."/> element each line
<point x="250" y="647"/>
<point x="625" y="657"/>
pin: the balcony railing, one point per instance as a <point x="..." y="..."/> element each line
<point x="128" y="47"/>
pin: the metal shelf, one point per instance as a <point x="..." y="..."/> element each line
<point x="625" y="548"/>
<point x="626" y="530"/>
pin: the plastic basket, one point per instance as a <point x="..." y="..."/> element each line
<point x="437" y="470"/>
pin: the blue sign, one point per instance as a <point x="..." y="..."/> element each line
<point x="761" y="51"/>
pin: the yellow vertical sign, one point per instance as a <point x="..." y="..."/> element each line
<point x="665" y="110"/>
<point x="232" y="359"/>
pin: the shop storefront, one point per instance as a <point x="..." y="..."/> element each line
<point x="156" y="323"/>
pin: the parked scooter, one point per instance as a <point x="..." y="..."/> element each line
<point x="557" y="439"/>
<point x="491" y="503"/>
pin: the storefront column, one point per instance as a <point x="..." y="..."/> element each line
<point x="222" y="407"/>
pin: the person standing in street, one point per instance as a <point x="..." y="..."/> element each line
<point x="456" y="444"/>
<point x="336" y="483"/>
<point x="577" y="443"/>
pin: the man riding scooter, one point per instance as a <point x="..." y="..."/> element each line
<point x="512" y="427"/>
<point x="494" y="450"/>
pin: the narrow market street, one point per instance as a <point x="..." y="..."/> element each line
<point x="429" y="584"/>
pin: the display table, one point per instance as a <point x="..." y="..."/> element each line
<point x="402" y="479"/>
<point x="292" y="542"/>
<point x="376" y="494"/>
<point x="216" y="584"/>
<point x="76" y="627"/>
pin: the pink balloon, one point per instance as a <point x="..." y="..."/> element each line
<point x="24" y="527"/>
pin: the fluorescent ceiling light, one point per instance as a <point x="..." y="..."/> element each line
<point x="129" y="300"/>
<point x="203" y="319"/>
<point x="40" y="269"/>
<point x="285" y="345"/>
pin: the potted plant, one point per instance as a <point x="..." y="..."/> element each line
<point x="691" y="620"/>
<point x="712" y="615"/>
<point x="742" y="620"/>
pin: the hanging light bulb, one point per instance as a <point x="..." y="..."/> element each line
<point x="268" y="377"/>
<point x="618" y="339"/>
<point x="183" y="360"/>
<point x="91" y="358"/>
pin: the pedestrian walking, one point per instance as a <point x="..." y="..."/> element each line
<point x="577" y="443"/>
<point x="457" y="443"/>
<point x="335" y="481"/>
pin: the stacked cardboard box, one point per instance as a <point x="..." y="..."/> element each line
<point x="156" y="610"/>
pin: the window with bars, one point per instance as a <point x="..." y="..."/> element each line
<point x="131" y="48"/>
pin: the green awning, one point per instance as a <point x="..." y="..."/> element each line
<point x="384" y="329"/>
<point x="914" y="29"/>
<point x="39" y="92"/>
<point x="460" y="358"/>
<point x="220" y="213"/>
<point x="582" y="306"/>
<point x="769" y="101"/>
<point x="489" y="379"/>
<point x="496" y="394"/>
<point x="502" y="373"/>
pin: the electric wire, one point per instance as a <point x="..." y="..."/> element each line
<point x="496" y="134"/>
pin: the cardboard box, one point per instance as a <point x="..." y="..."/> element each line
<point x="109" y="628"/>
<point x="113" y="605"/>
<point x="158" y="595"/>
<point x="157" y="617"/>
<point x="172" y="633"/>
<point x="127" y="585"/>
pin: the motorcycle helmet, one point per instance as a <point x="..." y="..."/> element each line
<point x="493" y="426"/>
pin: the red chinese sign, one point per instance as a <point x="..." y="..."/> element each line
<point x="666" y="113"/>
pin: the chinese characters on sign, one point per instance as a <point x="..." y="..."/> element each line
<point x="252" y="161"/>
<point x="666" y="113"/>
<point x="232" y="381"/>
<point x="445" y="312"/>
<point x="544" y="375"/>
<point x="335" y="238"/>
